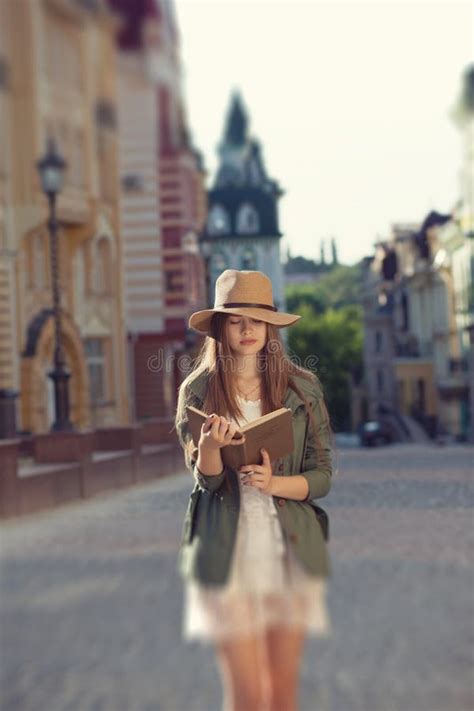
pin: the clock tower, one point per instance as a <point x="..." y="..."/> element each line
<point x="242" y="226"/>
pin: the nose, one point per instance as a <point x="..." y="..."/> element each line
<point x="246" y="327"/>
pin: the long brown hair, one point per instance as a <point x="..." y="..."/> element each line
<point x="274" y="364"/>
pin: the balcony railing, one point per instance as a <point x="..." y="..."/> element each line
<point x="407" y="350"/>
<point x="414" y="348"/>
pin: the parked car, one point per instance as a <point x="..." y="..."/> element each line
<point x="373" y="433"/>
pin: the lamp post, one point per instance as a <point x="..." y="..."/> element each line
<point x="51" y="168"/>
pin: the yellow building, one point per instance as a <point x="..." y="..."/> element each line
<point x="58" y="78"/>
<point x="414" y="368"/>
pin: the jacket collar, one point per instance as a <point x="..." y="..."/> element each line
<point x="198" y="386"/>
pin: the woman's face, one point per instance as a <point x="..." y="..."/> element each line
<point x="246" y="336"/>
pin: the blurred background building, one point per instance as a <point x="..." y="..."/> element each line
<point x="242" y="230"/>
<point x="142" y="240"/>
<point x="102" y="79"/>
<point x="60" y="81"/>
<point x="418" y="306"/>
<point x="163" y="204"/>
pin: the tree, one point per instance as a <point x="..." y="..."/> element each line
<point x="328" y="339"/>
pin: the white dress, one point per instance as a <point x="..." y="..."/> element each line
<point x="267" y="585"/>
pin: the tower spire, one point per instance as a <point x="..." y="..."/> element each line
<point x="235" y="131"/>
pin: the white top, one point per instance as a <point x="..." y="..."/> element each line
<point x="258" y="509"/>
<point x="267" y="584"/>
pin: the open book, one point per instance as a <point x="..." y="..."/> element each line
<point x="273" y="431"/>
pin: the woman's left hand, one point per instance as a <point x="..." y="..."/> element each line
<point x="260" y="475"/>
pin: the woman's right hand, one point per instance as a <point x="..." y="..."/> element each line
<point x="217" y="432"/>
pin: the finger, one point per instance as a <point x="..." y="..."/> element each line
<point x="246" y="475"/>
<point x="253" y="481"/>
<point x="237" y="440"/>
<point x="252" y="468"/>
<point x="223" y="426"/>
<point x="232" y="429"/>
<point x="215" y="427"/>
<point x="265" y="455"/>
<point x="228" y="435"/>
<point x="208" y="423"/>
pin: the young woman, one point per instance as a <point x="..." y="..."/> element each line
<point x="252" y="554"/>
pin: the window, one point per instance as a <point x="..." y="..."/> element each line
<point x="248" y="259"/>
<point x="131" y="182"/>
<point x="405" y="313"/>
<point x="173" y="280"/>
<point x="380" y="380"/>
<point x="218" y="221"/>
<point x="420" y="394"/>
<point x="94" y="348"/>
<point x="247" y="220"/>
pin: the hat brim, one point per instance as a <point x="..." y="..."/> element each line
<point x="200" y="321"/>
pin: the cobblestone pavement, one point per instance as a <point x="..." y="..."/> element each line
<point x="91" y="600"/>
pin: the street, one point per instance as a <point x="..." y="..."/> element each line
<point x="91" y="600"/>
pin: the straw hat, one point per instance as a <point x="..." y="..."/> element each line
<point x="244" y="293"/>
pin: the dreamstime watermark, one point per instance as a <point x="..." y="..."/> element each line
<point x="184" y="363"/>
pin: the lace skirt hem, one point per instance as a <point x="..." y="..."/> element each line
<point x="208" y="618"/>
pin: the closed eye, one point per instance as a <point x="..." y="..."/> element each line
<point x="254" y="320"/>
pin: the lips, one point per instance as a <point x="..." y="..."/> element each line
<point x="248" y="342"/>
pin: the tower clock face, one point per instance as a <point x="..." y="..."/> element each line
<point x="218" y="221"/>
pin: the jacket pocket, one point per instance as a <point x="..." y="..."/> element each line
<point x="190" y="517"/>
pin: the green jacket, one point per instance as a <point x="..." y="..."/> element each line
<point x="210" y="523"/>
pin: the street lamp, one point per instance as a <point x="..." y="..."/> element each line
<point x="51" y="168"/>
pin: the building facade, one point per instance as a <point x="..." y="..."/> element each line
<point x="418" y="302"/>
<point x="415" y="370"/>
<point x="163" y="204"/>
<point x="460" y="243"/>
<point x="57" y="69"/>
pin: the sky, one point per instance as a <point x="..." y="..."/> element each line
<point x="351" y="102"/>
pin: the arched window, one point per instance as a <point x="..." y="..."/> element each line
<point x="247" y="220"/>
<point x="218" y="221"/>
<point x="248" y="258"/>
